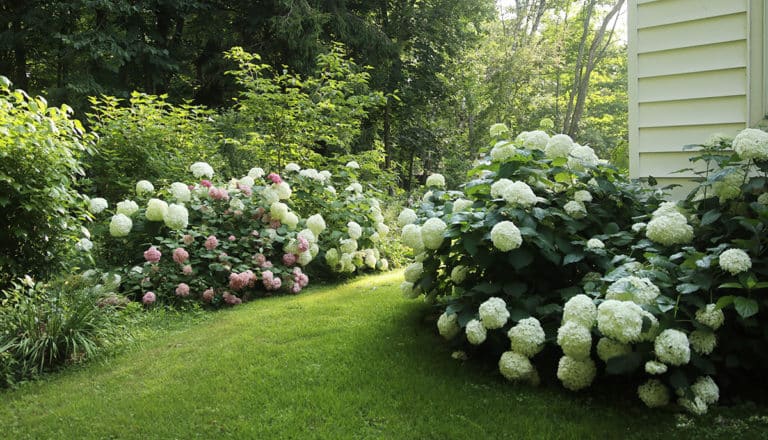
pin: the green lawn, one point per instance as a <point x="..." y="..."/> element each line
<point x="352" y="361"/>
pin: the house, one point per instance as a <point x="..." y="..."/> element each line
<point x="696" y="67"/>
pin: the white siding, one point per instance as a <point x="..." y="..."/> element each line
<point x="695" y="68"/>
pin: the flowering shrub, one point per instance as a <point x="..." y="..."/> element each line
<point x="618" y="281"/>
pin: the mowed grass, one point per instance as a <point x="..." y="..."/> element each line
<point x="353" y="361"/>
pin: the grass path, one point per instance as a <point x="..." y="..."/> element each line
<point x="353" y="361"/>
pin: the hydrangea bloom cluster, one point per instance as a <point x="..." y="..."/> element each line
<point x="127" y="207"/>
<point x="514" y="193"/>
<point x="711" y="316"/>
<point x="493" y="313"/>
<point x="669" y="228"/>
<point x="462" y="205"/>
<point x="201" y="169"/>
<point x="729" y="187"/>
<point x="575" y="340"/>
<point x="575" y="209"/>
<point x="576" y="374"/>
<point x="144" y="187"/>
<point x="559" y="145"/>
<point x="98" y="204"/>
<point x="672" y="347"/>
<point x="176" y="217"/>
<point x="533" y="140"/>
<point x="156" y="210"/>
<point x="582" y="157"/>
<point x="180" y="192"/>
<point x="620" y="320"/>
<point x="476" y="332"/>
<point x="506" y="236"/>
<point x="515" y="366"/>
<point x="580" y="309"/>
<point x="432" y="233"/>
<point x="413" y="272"/>
<point x="459" y="274"/>
<point x="527" y="337"/>
<point x="120" y="225"/>
<point x="502" y="151"/>
<point x="407" y="216"/>
<point x="655" y="367"/>
<point x="595" y="243"/>
<point x="448" y="325"/>
<point x="751" y="143"/>
<point x="498" y="130"/>
<point x="702" y="341"/>
<point x="735" y="261"/>
<point x="582" y="196"/>
<point x="608" y="349"/>
<point x="436" y="180"/>
<point x="653" y="393"/>
<point x="639" y="290"/>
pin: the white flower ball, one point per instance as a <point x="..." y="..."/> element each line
<point x="432" y="233"/>
<point x="283" y="190"/>
<point x="735" y="261"/>
<point x="502" y="151"/>
<point x="696" y="406"/>
<point x="702" y="341"/>
<point x="751" y="143"/>
<point x="270" y="196"/>
<point x="595" y="243"/>
<point x="653" y="393"/>
<point x="98" y="204"/>
<point x="581" y="310"/>
<point x="436" y="180"/>
<point x="576" y="374"/>
<point x="353" y="164"/>
<point x="291" y="220"/>
<point x="669" y="229"/>
<point x="292" y="168"/>
<point x="256" y="173"/>
<point x="515" y="366"/>
<point x="575" y="340"/>
<point x="406" y="288"/>
<point x="316" y="224"/>
<point x="672" y="347"/>
<point x="527" y="337"/>
<point x="505" y="236"/>
<point x="278" y="210"/>
<point x="176" y="217"/>
<point x="639" y="290"/>
<point x="348" y="245"/>
<point x="127" y="207"/>
<point x="575" y="209"/>
<point x="310" y="173"/>
<point x="582" y="157"/>
<point x="655" y="367"/>
<point x="476" y="333"/>
<point x="304" y="258"/>
<point x="637" y="227"/>
<point x="347" y="265"/>
<point x="706" y="389"/>
<point x="406" y="217"/>
<point x="493" y="313"/>
<point x="120" y="225"/>
<point x="716" y="139"/>
<point x="498" y="129"/>
<point x="236" y="204"/>
<point x="608" y="348"/>
<point x="666" y="208"/>
<point x="308" y="235"/>
<point x="711" y="316"/>
<point x="324" y="176"/>
<point x="354" y="230"/>
<point x="411" y="237"/>
<point x="514" y="193"/>
<point x="354" y="188"/>
<point x="763" y="199"/>
<point x="84" y="245"/>
<point x="332" y="257"/>
<point x="729" y="187"/>
<point x="144" y="187"/>
<point x="370" y="259"/>
<point x="582" y="196"/>
<point x="156" y="210"/>
<point x="459" y="274"/>
<point x="536" y="140"/>
<point x="620" y="320"/>
<point x="413" y="272"/>
<point x="247" y="180"/>
<point x="462" y="205"/>
<point x="180" y="192"/>
<point x="382" y="229"/>
<point x="559" y="145"/>
<point x="448" y="325"/>
<point x="201" y="169"/>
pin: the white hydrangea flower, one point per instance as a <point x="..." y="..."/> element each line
<point x="84" y="245"/>
<point x="346" y="263"/>
<point x="370" y="258"/>
<point x="332" y="257"/>
<point x="201" y="169"/>
<point x="304" y="258"/>
<point x="751" y="143"/>
<point x="354" y="230"/>
<point x="582" y="157"/>
<point x="156" y="210"/>
<point x="608" y="348"/>
<point x="291" y="220"/>
<point x="406" y="217"/>
<point x="432" y="233"/>
<point x="559" y="145"/>
<point x="269" y="195"/>
<point x="436" y="180"/>
<point x="735" y="261"/>
<point x="283" y="190"/>
<point x="324" y="175"/>
<point x="502" y="151"/>
<point x="639" y="226"/>
<point x="278" y="210"/>
<point x="348" y="245"/>
<point x="575" y="209"/>
<point x="493" y="313"/>
<point x="427" y="195"/>
<point x="666" y="208"/>
<point x="763" y="199"/>
<point x="576" y="374"/>
<point x="316" y="224"/>
<point x="514" y="193"/>
<point x="582" y="196"/>
<point x="120" y="225"/>
<point x="292" y="168"/>
<point x="639" y="290"/>
<point x="354" y="187"/>
<point x="98" y="204"/>
<point x="462" y="205"/>
<point x="527" y="337"/>
<point x="535" y="140"/>
<point x="382" y="264"/>
<point x="247" y="180"/>
<point x="716" y="139"/>
<point x="127" y="207"/>
<point x="144" y="187"/>
<point x="406" y="289"/>
<point x="331" y="189"/>
<point x="176" y="217"/>
<point x="711" y="316"/>
<point x="180" y="192"/>
<point x="655" y="367"/>
<point x="654" y="393"/>
<point x="256" y="173"/>
<point x="459" y="274"/>
<point x="581" y="310"/>
<point x="382" y="229"/>
<point x="515" y="366"/>
<point x="575" y="340"/>
<point x="702" y="341"/>
<point x="653" y="331"/>
<point x="669" y="229"/>
<point x="706" y="389"/>
<point x="476" y="333"/>
<point x="308" y="235"/>
<point x="411" y="237"/>
<point x="506" y="236"/>
<point x="413" y="272"/>
<point x="729" y="187"/>
<point x="620" y="320"/>
<point x="236" y="204"/>
<point x="595" y="243"/>
<point x="695" y="406"/>
<point x="353" y="164"/>
<point x="448" y="325"/>
<point x="672" y="347"/>
<point x="498" y="129"/>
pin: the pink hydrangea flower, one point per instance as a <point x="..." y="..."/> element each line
<point x="303" y="244"/>
<point x="274" y="224"/>
<point x="187" y="270"/>
<point x="223" y="256"/>
<point x="296" y="288"/>
<point x="182" y="290"/>
<point x="275" y="178"/>
<point x="245" y="189"/>
<point x="276" y="283"/>
<point x="255" y="233"/>
<point x="208" y="295"/>
<point x="231" y="238"/>
<point x="238" y="213"/>
<point x="206" y="183"/>
<point x="191" y="187"/>
<point x="211" y="242"/>
<point x="188" y="239"/>
<point x="266" y="265"/>
<point x="241" y="280"/>
<point x="289" y="259"/>
<point x="149" y="298"/>
<point x="152" y="254"/>
<point x="231" y="299"/>
<point x="180" y="255"/>
<point x="218" y="193"/>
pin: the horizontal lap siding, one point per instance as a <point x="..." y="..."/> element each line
<point x="688" y="79"/>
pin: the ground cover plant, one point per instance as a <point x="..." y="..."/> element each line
<point x="304" y="365"/>
<point x="550" y="250"/>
